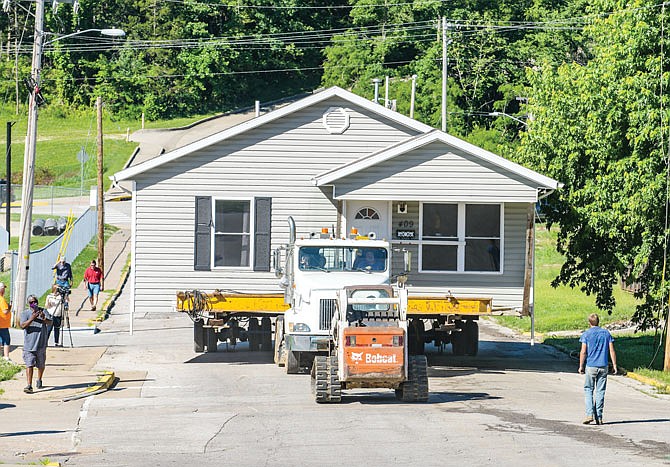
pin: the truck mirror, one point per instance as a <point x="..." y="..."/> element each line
<point x="276" y="263"/>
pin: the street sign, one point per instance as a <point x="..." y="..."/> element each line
<point x="82" y="155"/>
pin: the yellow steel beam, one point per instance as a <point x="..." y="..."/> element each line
<point x="236" y="303"/>
<point x="448" y="305"/>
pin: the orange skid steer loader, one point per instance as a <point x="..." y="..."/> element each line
<point x="369" y="347"/>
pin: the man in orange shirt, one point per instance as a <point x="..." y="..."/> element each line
<point x="5" y="323"/>
<point x="94" y="283"/>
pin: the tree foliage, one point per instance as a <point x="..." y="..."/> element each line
<point x="601" y="129"/>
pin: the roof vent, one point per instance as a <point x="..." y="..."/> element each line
<point x="336" y="120"/>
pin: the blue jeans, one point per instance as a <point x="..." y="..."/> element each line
<point x="595" y="381"/>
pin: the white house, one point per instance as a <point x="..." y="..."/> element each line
<point x="208" y="214"/>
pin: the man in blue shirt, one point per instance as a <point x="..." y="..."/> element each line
<point x="596" y="342"/>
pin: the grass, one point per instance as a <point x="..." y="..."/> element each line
<point x="563" y="308"/>
<point x="634" y="353"/>
<point x="8" y="370"/>
<point x="62" y="133"/>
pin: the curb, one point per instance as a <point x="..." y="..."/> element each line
<point x="649" y="381"/>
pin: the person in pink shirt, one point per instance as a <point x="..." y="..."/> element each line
<point x="94" y="283"/>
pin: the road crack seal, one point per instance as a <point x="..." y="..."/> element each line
<point x="223" y="425"/>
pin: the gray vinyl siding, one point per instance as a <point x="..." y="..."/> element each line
<point x="276" y="160"/>
<point x="506" y="289"/>
<point x="436" y="173"/>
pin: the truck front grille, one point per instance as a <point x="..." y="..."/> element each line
<point x="326" y="312"/>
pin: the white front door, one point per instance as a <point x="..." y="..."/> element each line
<point x="369" y="216"/>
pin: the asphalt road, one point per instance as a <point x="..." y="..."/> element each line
<point x="512" y="405"/>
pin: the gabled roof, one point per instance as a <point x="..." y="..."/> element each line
<point x="327" y="178"/>
<point x="335" y="91"/>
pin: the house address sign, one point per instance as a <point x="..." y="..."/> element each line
<point x="405" y="234"/>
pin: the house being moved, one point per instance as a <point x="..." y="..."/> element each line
<point x="208" y="214"/>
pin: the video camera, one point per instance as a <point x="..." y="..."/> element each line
<point x="63" y="291"/>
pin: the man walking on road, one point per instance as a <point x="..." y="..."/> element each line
<point x="93" y="279"/>
<point x="596" y="342"/>
<point x="35" y="323"/>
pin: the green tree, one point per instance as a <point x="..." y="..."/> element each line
<point x="601" y="129"/>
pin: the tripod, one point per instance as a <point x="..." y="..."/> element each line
<point x="64" y="309"/>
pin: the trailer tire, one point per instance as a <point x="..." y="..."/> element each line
<point x="292" y="363"/>
<point x="416" y="338"/>
<point x="415" y="389"/>
<point x="198" y="336"/>
<point x="459" y="340"/>
<point x="212" y="339"/>
<point x="254" y="342"/>
<point x="266" y="334"/>
<point x="471" y="331"/>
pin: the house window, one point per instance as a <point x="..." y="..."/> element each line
<point x="232" y="233"/>
<point x="461" y="237"/>
<point x="367" y="214"/>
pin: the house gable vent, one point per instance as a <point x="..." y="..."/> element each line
<point x="336" y="120"/>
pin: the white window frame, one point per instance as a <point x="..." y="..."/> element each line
<point x="252" y="223"/>
<point x="461" y="242"/>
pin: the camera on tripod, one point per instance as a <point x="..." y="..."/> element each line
<point x="63" y="291"/>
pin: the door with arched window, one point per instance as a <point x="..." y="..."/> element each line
<point x="368" y="216"/>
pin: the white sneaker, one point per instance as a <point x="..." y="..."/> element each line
<point x="8" y="360"/>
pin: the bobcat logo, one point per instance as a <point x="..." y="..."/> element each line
<point x="356" y="357"/>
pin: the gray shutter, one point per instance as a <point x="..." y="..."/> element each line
<point x="202" y="249"/>
<point x="262" y="221"/>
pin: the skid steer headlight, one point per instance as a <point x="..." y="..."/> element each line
<point x="350" y="341"/>
<point x="298" y="327"/>
<point x="398" y="341"/>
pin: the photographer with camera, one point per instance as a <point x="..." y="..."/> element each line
<point x="64" y="277"/>
<point x="35" y="323"/>
<point x="53" y="306"/>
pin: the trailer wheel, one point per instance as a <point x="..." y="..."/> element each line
<point x="212" y="339"/>
<point x="292" y="363"/>
<point x="458" y="339"/>
<point x="471" y="331"/>
<point x="198" y="336"/>
<point x="253" y="334"/>
<point x="266" y="334"/>
<point x="416" y="337"/>
<point x="415" y="389"/>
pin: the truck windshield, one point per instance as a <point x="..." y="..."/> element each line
<point x="338" y="258"/>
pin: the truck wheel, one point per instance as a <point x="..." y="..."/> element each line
<point x="212" y="339"/>
<point x="471" y="331"/>
<point x="279" y="356"/>
<point x="292" y="363"/>
<point x="415" y="389"/>
<point x="253" y="334"/>
<point x="416" y="337"/>
<point x="266" y="334"/>
<point x="198" y="336"/>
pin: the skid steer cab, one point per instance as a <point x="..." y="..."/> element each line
<point x="369" y="347"/>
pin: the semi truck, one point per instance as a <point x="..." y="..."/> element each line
<point x="312" y="271"/>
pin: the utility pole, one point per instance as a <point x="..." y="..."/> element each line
<point x="444" y="74"/>
<point x="413" y="98"/>
<point x="101" y="201"/>
<point x="8" y="180"/>
<point x="20" y="286"/>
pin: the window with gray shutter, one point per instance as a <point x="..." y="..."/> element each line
<point x="202" y="253"/>
<point x="263" y="221"/>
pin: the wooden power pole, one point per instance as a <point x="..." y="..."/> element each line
<point x="101" y="200"/>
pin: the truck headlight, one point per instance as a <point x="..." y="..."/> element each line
<point x="298" y="327"/>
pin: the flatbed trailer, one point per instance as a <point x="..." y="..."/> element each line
<point x="217" y="315"/>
